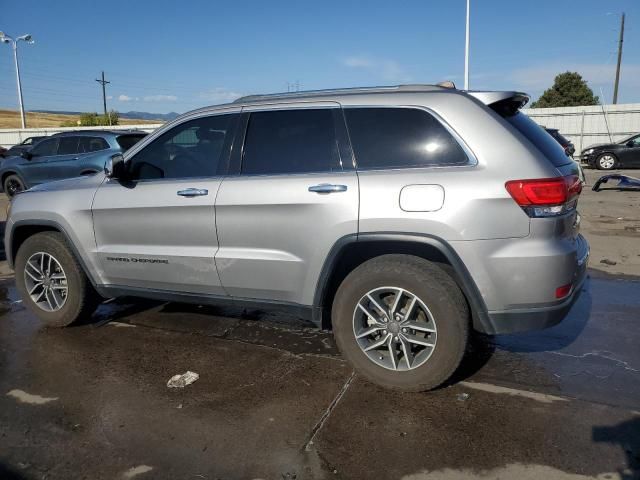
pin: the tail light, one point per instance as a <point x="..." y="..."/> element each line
<point x="546" y="197"/>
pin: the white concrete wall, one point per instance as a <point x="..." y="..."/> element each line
<point x="585" y="126"/>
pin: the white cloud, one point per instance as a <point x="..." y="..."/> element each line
<point x="220" y="95"/>
<point x="109" y="97"/>
<point x="388" y="70"/>
<point x="160" y="98"/>
<point x="124" y="98"/>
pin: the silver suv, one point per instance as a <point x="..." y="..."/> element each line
<point x="399" y="217"/>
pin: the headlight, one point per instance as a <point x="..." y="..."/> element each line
<point x="588" y="151"/>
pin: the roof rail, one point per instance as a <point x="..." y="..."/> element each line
<point x="345" y="91"/>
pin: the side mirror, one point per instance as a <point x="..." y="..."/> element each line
<point x="631" y="144"/>
<point x="27" y="155"/>
<point x="114" y="166"/>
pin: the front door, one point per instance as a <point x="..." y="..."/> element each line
<point x="35" y="170"/>
<point x="292" y="197"/>
<point x="630" y="154"/>
<point x="157" y="229"/>
<point x="64" y="164"/>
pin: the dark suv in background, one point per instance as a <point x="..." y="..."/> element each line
<point x="64" y="155"/>
<point x="24" y="146"/>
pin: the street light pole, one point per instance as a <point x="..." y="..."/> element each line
<point x="466" y="52"/>
<point x="14" y="45"/>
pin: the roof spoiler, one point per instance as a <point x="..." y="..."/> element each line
<point x="504" y="103"/>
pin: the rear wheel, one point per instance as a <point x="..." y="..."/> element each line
<point x="402" y="322"/>
<point x="52" y="282"/>
<point x="12" y="185"/>
<point x="606" y="161"/>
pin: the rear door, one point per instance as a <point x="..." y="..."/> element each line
<point x="293" y="194"/>
<point x="157" y="229"/>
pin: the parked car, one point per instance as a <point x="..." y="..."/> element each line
<point x="400" y="217"/>
<point x="566" y="144"/>
<point x="3" y="151"/>
<point x="24" y="146"/>
<point x="64" y="155"/>
<point x="607" y="156"/>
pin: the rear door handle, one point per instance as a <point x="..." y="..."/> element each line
<point x="193" y="192"/>
<point x="327" y="188"/>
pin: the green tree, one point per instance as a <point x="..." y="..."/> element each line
<point x="569" y="90"/>
<point x="92" y="119"/>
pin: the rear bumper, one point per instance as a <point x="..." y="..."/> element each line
<point x="520" y="320"/>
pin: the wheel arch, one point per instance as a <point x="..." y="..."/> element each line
<point x="6" y="173"/>
<point x="353" y="250"/>
<point x="22" y="230"/>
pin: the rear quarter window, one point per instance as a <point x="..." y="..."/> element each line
<point x="540" y="139"/>
<point x="400" y="138"/>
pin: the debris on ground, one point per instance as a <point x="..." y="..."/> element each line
<point x="182" y="380"/>
<point x="606" y="261"/>
<point x="624" y="182"/>
<point x="463" y="396"/>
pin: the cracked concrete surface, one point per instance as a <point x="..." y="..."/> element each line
<point x="275" y="399"/>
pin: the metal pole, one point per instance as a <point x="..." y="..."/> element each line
<point x="615" y="86"/>
<point x="581" y="131"/>
<point x="15" y="58"/>
<point x="466" y="52"/>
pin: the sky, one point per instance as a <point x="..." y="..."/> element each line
<point x="163" y="56"/>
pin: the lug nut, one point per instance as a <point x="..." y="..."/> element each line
<point x="404" y="330"/>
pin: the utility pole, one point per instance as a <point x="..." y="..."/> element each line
<point x="615" y="87"/>
<point x="466" y="52"/>
<point x="4" y="38"/>
<point x="103" y="82"/>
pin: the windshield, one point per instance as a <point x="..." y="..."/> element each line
<point x="128" y="141"/>
<point x="635" y="137"/>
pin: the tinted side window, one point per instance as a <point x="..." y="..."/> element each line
<point x="401" y="137"/>
<point x="191" y="149"/>
<point x="68" y="145"/>
<point x="46" y="148"/>
<point x="538" y="137"/>
<point x="92" y="144"/>
<point x="290" y="141"/>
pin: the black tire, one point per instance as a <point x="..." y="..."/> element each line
<point x="81" y="299"/>
<point x="12" y="185"/>
<point x="440" y="294"/>
<point x="604" y="158"/>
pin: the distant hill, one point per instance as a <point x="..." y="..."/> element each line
<point x="40" y="119"/>
<point x="165" y="117"/>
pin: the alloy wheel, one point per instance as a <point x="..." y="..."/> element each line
<point x="394" y="328"/>
<point x="606" y="162"/>
<point x="46" y="281"/>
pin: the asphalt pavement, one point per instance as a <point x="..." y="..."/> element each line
<point x="276" y="401"/>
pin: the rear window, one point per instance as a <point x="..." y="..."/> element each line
<point x="544" y="142"/>
<point x="128" y="141"/>
<point x="401" y="137"/>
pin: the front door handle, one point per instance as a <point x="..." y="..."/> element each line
<point x="327" y="188"/>
<point x="193" y="192"/>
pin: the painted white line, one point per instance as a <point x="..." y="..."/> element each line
<point x="25" y="397"/>
<point x="539" y="397"/>
<point x="139" y="470"/>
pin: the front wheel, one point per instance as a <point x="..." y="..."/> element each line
<point x="606" y="161"/>
<point x="12" y="185"/>
<point x="402" y="322"/>
<point x="51" y="281"/>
